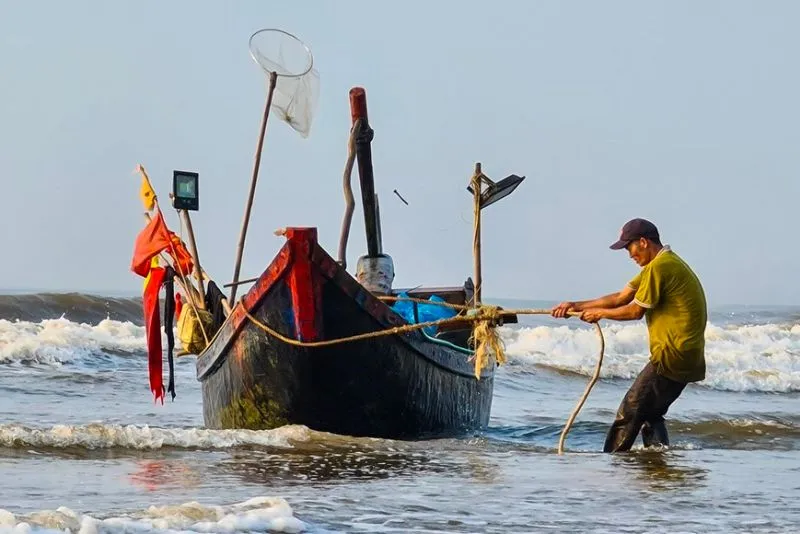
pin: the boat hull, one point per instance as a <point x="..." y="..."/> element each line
<point x="401" y="386"/>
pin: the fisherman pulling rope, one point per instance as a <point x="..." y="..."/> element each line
<point x="670" y="295"/>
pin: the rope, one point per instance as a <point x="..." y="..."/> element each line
<point x="483" y="334"/>
<point x="586" y="392"/>
<point x="367" y="335"/>
<point x="348" y="195"/>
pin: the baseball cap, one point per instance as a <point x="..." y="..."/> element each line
<point x="633" y="230"/>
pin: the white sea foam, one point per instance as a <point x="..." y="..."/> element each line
<point x="738" y="358"/>
<point x="58" y="341"/>
<point x="260" y="514"/>
<point x="104" y="436"/>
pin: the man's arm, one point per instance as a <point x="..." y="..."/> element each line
<point x="629" y="312"/>
<point x="614" y="300"/>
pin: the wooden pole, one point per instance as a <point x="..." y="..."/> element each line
<point x="363" y="140"/>
<point x="273" y="79"/>
<point x="378" y="224"/>
<point x="476" y="240"/>
<point x="198" y="271"/>
<point x="241" y="282"/>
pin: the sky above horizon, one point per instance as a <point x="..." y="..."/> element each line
<point x="685" y="113"/>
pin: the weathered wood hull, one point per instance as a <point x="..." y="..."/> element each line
<point x="397" y="386"/>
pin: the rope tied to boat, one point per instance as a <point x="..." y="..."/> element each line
<point x="484" y="336"/>
<point x="486" y="340"/>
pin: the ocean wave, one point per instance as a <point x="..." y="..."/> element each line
<point x="744" y="358"/>
<point x="763" y="358"/>
<point x="78" y="307"/>
<point x="260" y="514"/>
<point x="59" y="341"/>
<point x="109" y="436"/>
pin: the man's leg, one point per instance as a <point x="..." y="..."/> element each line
<point x="665" y="392"/>
<point x="633" y="411"/>
<point x="654" y="433"/>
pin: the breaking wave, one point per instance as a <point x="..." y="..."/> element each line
<point x="56" y="329"/>
<point x="109" y="436"/>
<point x="58" y="341"/>
<point x="764" y="358"/>
<point x="260" y="514"/>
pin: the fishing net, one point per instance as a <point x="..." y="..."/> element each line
<point x="297" y="84"/>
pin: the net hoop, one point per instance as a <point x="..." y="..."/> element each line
<point x="261" y="59"/>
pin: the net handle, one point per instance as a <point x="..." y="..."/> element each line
<point x="254" y="52"/>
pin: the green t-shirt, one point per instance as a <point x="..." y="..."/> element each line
<point x="676" y="316"/>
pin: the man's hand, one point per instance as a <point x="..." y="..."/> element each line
<point x="562" y="309"/>
<point x="593" y="315"/>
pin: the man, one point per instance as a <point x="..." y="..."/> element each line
<point x="670" y="296"/>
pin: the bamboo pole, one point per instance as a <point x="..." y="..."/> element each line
<point x="273" y="79"/>
<point x="198" y="271"/>
<point x="241" y="282"/>
<point x="476" y="240"/>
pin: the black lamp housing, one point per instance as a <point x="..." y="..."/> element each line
<point x="185" y="190"/>
<point x="497" y="190"/>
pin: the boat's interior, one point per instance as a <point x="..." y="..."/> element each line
<point x="458" y="333"/>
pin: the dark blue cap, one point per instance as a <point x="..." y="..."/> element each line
<point x="635" y="229"/>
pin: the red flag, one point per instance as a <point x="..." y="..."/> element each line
<point x="152" y="324"/>
<point x="181" y="256"/>
<point x="154" y="238"/>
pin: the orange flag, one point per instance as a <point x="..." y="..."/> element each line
<point x="154" y="239"/>
<point x="151" y="241"/>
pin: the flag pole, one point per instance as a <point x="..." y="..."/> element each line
<point x="198" y="271"/>
<point x="273" y="79"/>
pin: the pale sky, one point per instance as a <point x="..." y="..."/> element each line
<point x="682" y="112"/>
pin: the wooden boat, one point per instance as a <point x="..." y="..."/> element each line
<point x="399" y="386"/>
<point x="403" y="386"/>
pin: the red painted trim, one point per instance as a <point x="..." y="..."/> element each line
<point x="305" y="284"/>
<point x="268" y="278"/>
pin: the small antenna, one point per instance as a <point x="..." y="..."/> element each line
<point x="400" y="197"/>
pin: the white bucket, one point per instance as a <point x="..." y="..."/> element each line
<point x="375" y="273"/>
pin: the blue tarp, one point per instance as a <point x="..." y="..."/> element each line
<point x="426" y="312"/>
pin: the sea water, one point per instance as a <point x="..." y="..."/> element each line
<point x="84" y="448"/>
